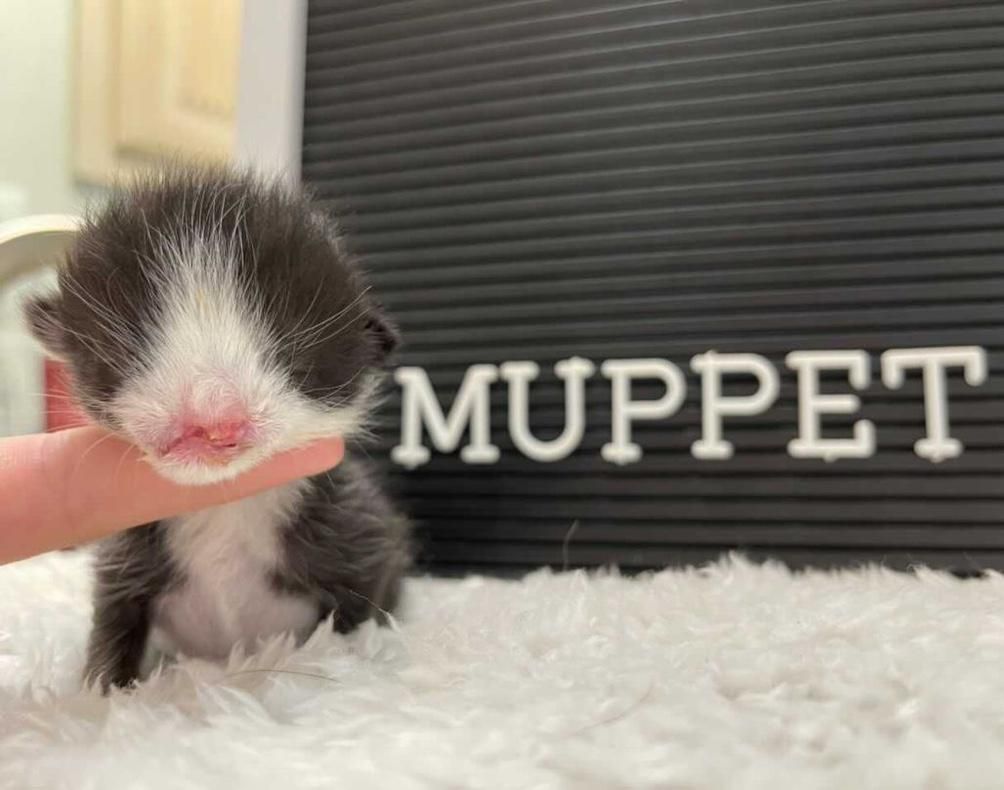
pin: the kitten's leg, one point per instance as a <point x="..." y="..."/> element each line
<point x="131" y="570"/>
<point x="355" y="596"/>
<point x="385" y="592"/>
<point x="118" y="641"/>
<point x="347" y="547"/>
<point x="349" y="606"/>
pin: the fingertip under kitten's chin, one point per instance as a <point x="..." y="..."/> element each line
<point x="322" y="455"/>
<point x="306" y="458"/>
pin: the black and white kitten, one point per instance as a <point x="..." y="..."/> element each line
<point x="214" y="320"/>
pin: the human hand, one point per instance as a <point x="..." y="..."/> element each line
<point x="74" y="486"/>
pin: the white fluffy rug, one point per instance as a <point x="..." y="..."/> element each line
<point x="736" y="676"/>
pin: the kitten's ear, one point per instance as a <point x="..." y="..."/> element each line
<point x="42" y="315"/>
<point x="384" y="333"/>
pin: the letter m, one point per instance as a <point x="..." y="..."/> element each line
<point x="419" y="407"/>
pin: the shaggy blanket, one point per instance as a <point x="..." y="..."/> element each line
<point x="734" y="676"/>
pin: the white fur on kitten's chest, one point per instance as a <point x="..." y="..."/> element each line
<point x="227" y="555"/>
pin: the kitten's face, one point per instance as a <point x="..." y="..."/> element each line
<point x="214" y="322"/>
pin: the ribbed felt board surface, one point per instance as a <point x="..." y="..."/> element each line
<point x="546" y="179"/>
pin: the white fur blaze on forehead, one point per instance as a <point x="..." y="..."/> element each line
<point x="211" y="355"/>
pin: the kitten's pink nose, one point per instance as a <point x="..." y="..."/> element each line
<point x="211" y="440"/>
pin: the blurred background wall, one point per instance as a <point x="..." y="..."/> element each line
<point x="36" y="48"/>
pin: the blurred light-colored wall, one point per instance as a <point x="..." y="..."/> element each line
<point x="36" y="168"/>
<point x="270" y="93"/>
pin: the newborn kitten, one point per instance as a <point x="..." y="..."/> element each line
<point x="214" y="320"/>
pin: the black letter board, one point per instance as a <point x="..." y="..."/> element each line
<point x="543" y="180"/>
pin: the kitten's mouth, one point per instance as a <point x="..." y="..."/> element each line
<point x="198" y="453"/>
<point x="215" y="445"/>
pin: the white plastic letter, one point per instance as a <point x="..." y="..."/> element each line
<point x="711" y="365"/>
<point x="419" y="407"/>
<point x="937" y="446"/>
<point x="623" y="410"/>
<point x="812" y="404"/>
<point x="573" y="372"/>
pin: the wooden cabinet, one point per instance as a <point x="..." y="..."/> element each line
<point x="154" y="80"/>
